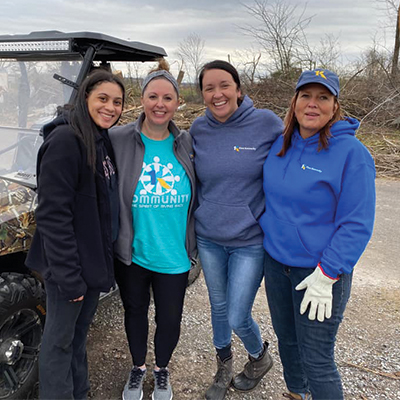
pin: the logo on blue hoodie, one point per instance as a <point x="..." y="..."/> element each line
<point x="304" y="167"/>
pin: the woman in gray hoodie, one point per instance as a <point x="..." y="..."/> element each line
<point x="231" y="143"/>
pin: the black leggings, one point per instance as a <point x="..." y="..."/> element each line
<point x="134" y="283"/>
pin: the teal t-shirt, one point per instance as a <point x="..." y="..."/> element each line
<point x="160" y="208"/>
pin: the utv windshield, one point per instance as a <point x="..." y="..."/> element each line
<point x="29" y="96"/>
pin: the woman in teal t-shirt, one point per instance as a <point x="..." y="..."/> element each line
<point x="156" y="239"/>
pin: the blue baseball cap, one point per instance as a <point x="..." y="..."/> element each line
<point x="322" y="76"/>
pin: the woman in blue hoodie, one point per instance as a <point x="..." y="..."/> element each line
<point x="319" y="184"/>
<point x="231" y="143"/>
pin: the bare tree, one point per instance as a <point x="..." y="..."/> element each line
<point x="250" y="60"/>
<point x="324" y="55"/>
<point x="328" y="52"/>
<point x="395" y="59"/>
<point x="280" y="31"/>
<point x="133" y="69"/>
<point x="375" y="64"/>
<point x="191" y="52"/>
<point x="392" y="8"/>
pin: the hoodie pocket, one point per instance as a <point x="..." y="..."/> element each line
<point x="283" y="238"/>
<point x="223" y="222"/>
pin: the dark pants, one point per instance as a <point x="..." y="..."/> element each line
<point x="169" y="291"/>
<point x="306" y="347"/>
<point x="63" y="371"/>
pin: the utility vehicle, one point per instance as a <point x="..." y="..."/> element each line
<point x="38" y="72"/>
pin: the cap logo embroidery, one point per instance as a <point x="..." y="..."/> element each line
<point x="320" y="73"/>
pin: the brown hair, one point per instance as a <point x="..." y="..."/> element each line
<point x="163" y="65"/>
<point x="291" y="123"/>
<point x="224" y="66"/>
<point x="219" y="64"/>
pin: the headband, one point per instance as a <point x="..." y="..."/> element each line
<point x="160" y="74"/>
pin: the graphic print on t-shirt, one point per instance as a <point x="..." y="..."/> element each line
<point x="158" y="178"/>
<point x="160" y="210"/>
<point x="157" y="186"/>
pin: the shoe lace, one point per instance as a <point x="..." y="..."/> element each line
<point x="135" y="378"/>
<point x="162" y="378"/>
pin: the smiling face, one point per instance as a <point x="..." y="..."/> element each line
<point x="104" y="103"/>
<point x="315" y="106"/>
<point x="159" y="101"/>
<point x="220" y="93"/>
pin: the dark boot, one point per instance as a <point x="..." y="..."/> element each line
<point x="253" y="371"/>
<point x="222" y="380"/>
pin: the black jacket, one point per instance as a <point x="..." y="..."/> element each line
<point x="72" y="245"/>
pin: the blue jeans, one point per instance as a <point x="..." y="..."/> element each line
<point x="63" y="369"/>
<point x="306" y="347"/>
<point x="233" y="276"/>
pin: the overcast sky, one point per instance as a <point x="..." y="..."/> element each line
<point x="166" y="22"/>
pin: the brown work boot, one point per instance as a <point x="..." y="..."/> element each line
<point x="222" y="380"/>
<point x="253" y="371"/>
<point x="296" y="396"/>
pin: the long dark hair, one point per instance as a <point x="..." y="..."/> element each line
<point x="80" y="119"/>
<point x="291" y="123"/>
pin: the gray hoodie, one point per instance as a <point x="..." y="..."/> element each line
<point x="229" y="159"/>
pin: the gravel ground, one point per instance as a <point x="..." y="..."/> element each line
<point x="367" y="351"/>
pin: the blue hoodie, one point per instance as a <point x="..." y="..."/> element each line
<point x="320" y="206"/>
<point x="229" y="158"/>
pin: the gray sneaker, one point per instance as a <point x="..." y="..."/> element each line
<point x="162" y="387"/>
<point x="133" y="389"/>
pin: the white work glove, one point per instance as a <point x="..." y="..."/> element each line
<point x="319" y="293"/>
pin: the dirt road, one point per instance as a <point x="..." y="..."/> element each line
<point x="380" y="264"/>
<point x="368" y="347"/>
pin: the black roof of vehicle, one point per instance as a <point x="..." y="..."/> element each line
<point x="107" y="48"/>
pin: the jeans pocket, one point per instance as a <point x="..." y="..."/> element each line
<point x="341" y="293"/>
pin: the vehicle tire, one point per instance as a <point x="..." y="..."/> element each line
<point x="195" y="269"/>
<point x="22" y="315"/>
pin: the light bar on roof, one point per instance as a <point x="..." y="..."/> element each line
<point x="38" y="45"/>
